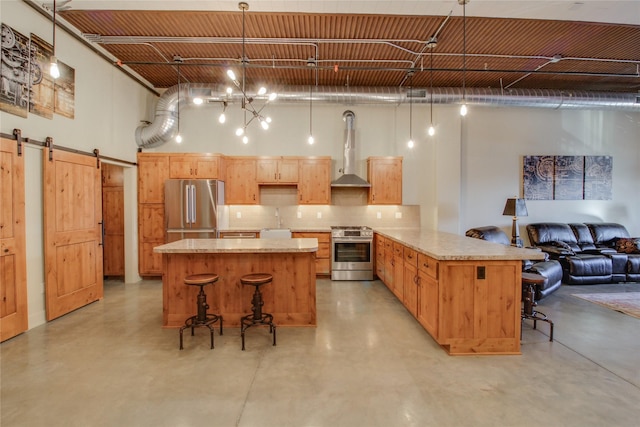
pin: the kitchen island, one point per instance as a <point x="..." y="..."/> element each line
<point x="291" y="297"/>
<point x="465" y="292"/>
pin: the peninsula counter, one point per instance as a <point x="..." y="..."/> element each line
<point x="465" y="292"/>
<point x="291" y="297"/>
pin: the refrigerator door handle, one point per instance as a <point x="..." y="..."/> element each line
<point x="193" y="204"/>
<point x="187" y="205"/>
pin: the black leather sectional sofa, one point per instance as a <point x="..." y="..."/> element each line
<point x="591" y="253"/>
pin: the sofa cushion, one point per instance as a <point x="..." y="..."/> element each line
<point x="583" y="236"/>
<point x="607" y="233"/>
<point x="547" y="232"/>
<point x="490" y="234"/>
<point x="589" y="265"/>
<point x="628" y="245"/>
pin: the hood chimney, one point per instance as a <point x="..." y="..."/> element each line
<point x="349" y="178"/>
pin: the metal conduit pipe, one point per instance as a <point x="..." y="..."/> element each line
<point x="164" y="125"/>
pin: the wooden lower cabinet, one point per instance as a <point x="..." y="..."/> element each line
<point x="479" y="307"/>
<point x="150" y="234"/>
<point x="323" y="256"/>
<point x="468" y="307"/>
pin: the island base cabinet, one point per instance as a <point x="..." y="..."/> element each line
<point x="291" y="297"/>
<point x="479" y="307"/>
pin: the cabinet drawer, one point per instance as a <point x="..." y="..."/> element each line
<point x="410" y="257"/>
<point x="428" y="265"/>
<point x="324" y="250"/>
<point x="323" y="266"/>
<point x="398" y="250"/>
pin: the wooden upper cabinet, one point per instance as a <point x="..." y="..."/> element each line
<point x="241" y="186"/>
<point x="153" y="170"/>
<point x="195" y="166"/>
<point x="314" y="187"/>
<point x="385" y="176"/>
<point x="277" y="170"/>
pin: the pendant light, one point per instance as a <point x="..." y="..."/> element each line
<point x="410" y="144"/>
<point x="178" y="60"/>
<point x="311" y="140"/>
<point x="432" y="130"/>
<point x="463" y="107"/>
<point x="54" y="71"/>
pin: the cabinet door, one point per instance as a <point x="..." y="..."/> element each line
<point x="150" y="234"/>
<point x="241" y="187"/>
<point x="428" y="303"/>
<point x="480" y="304"/>
<point x="410" y="294"/>
<point x="385" y="176"/>
<point x="267" y="171"/>
<point x="207" y="167"/>
<point x="315" y="182"/>
<point x="288" y="171"/>
<point x="398" y="271"/>
<point x="185" y="166"/>
<point x="153" y="170"/>
<point x="380" y="257"/>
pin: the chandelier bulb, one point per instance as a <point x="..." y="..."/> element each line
<point x="410" y="143"/>
<point x="432" y="130"/>
<point x="311" y="140"/>
<point x="262" y="91"/>
<point x="264" y="124"/>
<point x="239" y="131"/>
<point x="231" y="75"/>
<point x="179" y="138"/>
<point x="273" y="96"/>
<point x="222" y="118"/>
<point x="229" y="90"/>
<point x="245" y="139"/>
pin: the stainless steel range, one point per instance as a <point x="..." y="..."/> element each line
<point x="351" y="253"/>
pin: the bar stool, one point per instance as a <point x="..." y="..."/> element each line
<point x="258" y="317"/>
<point x="529" y="281"/>
<point x="202" y="319"/>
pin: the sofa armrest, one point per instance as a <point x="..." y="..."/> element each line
<point x="555" y="252"/>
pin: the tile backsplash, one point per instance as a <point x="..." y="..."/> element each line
<point x="320" y="216"/>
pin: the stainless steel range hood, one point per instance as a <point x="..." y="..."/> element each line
<point x="349" y="178"/>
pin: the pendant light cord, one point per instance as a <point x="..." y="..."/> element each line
<point x="54" y="27"/>
<point x="431" y="85"/>
<point x="464" y="48"/>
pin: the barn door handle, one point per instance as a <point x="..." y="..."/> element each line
<point x="101" y="243"/>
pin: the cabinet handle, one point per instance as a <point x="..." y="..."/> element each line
<point x="410" y="256"/>
<point x="275" y="176"/>
<point x="426" y="265"/>
<point x="279" y="175"/>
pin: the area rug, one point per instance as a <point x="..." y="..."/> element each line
<point x="624" y="302"/>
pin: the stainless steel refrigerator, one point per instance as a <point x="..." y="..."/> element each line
<point x="194" y="208"/>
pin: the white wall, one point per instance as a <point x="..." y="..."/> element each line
<point x="108" y="106"/>
<point x="460" y="178"/>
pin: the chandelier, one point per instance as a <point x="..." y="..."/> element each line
<point x="251" y="112"/>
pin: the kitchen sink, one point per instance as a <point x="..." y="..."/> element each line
<point x="275" y="233"/>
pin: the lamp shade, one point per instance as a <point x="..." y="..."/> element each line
<point x="515" y="207"/>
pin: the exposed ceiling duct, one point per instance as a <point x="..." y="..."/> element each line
<point x="349" y="177"/>
<point x="164" y="125"/>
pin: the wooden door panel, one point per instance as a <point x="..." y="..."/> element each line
<point x="72" y="231"/>
<point x="13" y="270"/>
<point x="8" y="303"/>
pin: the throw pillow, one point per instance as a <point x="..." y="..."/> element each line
<point x="628" y="245"/>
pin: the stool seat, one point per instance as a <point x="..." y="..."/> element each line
<point x="256" y="279"/>
<point x="201" y="279"/>
<point x="202" y="318"/>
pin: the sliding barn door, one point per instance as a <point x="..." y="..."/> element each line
<point x="13" y="270"/>
<point x="72" y="232"/>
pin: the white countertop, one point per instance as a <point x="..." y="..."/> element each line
<point x="449" y="246"/>
<point x="188" y="246"/>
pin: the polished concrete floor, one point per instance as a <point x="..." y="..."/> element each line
<point x="368" y="363"/>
